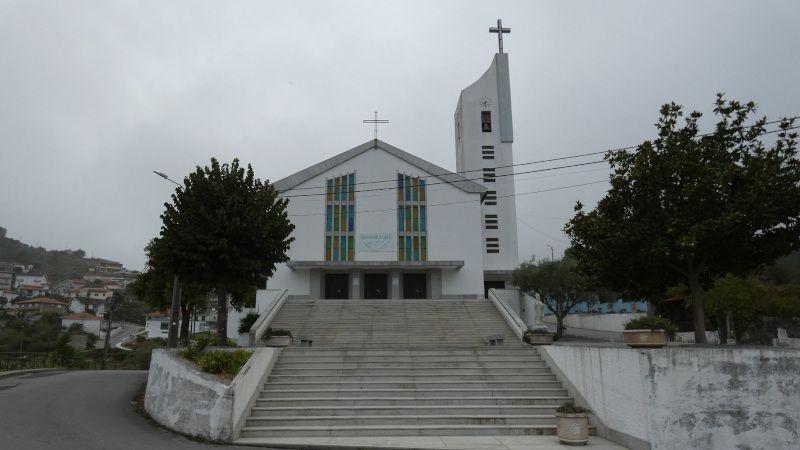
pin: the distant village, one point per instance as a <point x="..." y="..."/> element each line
<point x="78" y="300"/>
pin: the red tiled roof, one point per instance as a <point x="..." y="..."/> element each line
<point x="83" y="315"/>
<point x="43" y="300"/>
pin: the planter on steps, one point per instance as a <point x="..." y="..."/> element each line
<point x="645" y="338"/>
<point x="572" y="429"/>
<point x="279" y="341"/>
<point x="538" y="338"/>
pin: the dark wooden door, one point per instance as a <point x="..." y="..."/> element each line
<point x="415" y="285"/>
<point x="336" y="285"/>
<point x="376" y="285"/>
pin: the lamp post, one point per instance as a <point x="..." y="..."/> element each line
<point x="551" y="252"/>
<point x="172" y="340"/>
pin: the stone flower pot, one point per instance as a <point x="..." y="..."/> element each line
<point x="572" y="429"/>
<point x="645" y="338"/>
<point x="279" y="341"/>
<point x="539" y="338"/>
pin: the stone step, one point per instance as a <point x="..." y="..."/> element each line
<point x="430" y="419"/>
<point x="437" y="351"/>
<point x="414" y="378"/>
<point x="411" y="371"/>
<point x="392" y="410"/>
<point x="410" y="384"/>
<point x="412" y="365"/>
<point x="399" y="430"/>
<point x="407" y="359"/>
<point x="415" y="392"/>
<point x="437" y="401"/>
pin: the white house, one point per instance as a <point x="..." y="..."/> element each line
<point x="32" y="280"/>
<point x="378" y="222"/>
<point x="90" y="322"/>
<point x="94" y="306"/>
<point x="157" y="324"/>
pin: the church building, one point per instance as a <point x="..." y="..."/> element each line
<point x="378" y="222"/>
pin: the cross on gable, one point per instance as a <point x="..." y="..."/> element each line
<point x="500" y="30"/>
<point x="375" y="121"/>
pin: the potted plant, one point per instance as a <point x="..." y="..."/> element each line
<point x="648" y="332"/>
<point x="572" y="424"/>
<point x="277" y="337"/>
<point x="538" y="336"/>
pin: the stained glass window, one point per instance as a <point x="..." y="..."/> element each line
<point x="412" y="226"/>
<point x="340" y="218"/>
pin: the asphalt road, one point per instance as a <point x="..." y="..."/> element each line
<point x="83" y="410"/>
<point x="128" y="330"/>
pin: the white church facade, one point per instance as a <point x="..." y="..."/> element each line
<point x="377" y="222"/>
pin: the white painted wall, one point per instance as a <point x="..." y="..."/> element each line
<point x="597" y="322"/>
<point x="454" y="231"/>
<point x="469" y="141"/>
<point x="686" y="397"/>
<point x="89" y="325"/>
<point x="183" y="398"/>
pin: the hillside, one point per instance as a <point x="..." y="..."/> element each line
<point x="57" y="264"/>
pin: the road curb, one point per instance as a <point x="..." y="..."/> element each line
<point x="14" y="373"/>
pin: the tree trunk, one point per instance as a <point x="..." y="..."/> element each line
<point x="186" y="319"/>
<point x="222" y="318"/>
<point x="559" y="326"/>
<point x="699" y="312"/>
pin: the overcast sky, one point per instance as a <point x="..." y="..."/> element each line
<point x="95" y="95"/>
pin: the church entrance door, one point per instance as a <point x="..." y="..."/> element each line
<point x="415" y="285"/>
<point x="336" y="285"/>
<point x="376" y="286"/>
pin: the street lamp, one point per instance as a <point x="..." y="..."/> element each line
<point x="172" y="340"/>
<point x="551" y="252"/>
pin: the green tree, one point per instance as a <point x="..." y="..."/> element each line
<point x="226" y="229"/>
<point x="557" y="282"/>
<point x="687" y="208"/>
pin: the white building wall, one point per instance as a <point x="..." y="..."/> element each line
<point x="492" y="88"/>
<point x="89" y="326"/>
<point x="454" y="231"/>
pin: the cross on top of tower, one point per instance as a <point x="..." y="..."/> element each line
<point x="375" y="121"/>
<point x="500" y="30"/>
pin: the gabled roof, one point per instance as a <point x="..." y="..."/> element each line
<point x="304" y="175"/>
<point x="43" y="300"/>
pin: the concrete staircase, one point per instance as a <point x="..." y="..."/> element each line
<point x="402" y="368"/>
<point x="394" y="323"/>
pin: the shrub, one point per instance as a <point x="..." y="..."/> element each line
<point x="223" y="363"/>
<point x="571" y="408"/>
<point x="247" y="322"/>
<point x="652" y="323"/>
<point x="269" y="332"/>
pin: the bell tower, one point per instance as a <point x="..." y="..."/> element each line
<point x="484" y="133"/>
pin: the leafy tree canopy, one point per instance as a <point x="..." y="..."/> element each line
<point x="687" y="208"/>
<point x="557" y="282"/>
<point x="226" y="229"/>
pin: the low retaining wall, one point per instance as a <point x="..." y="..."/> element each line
<point x="685" y="397"/>
<point x="182" y="398"/>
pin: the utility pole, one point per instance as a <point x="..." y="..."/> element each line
<point x="108" y="336"/>
<point x="172" y="341"/>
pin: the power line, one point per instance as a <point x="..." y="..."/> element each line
<point x="540" y="161"/>
<point x="465" y="179"/>
<point x="316" y="194"/>
<point x="465" y="201"/>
